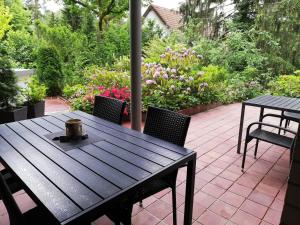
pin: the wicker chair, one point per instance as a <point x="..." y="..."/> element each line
<point x="34" y="216"/>
<point x="261" y="134"/>
<point x="109" y="109"/>
<point x="169" y="126"/>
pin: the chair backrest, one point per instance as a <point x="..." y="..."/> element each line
<point x="14" y="213"/>
<point x="109" y="109"/>
<point x="167" y="125"/>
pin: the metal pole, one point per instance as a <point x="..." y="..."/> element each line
<point x="135" y="63"/>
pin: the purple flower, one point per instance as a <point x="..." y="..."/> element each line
<point x="191" y="78"/>
<point x="168" y="49"/>
<point x="203" y="85"/>
<point x="162" y="56"/>
<point x="156" y="74"/>
<point x="173" y="70"/>
<point x="165" y="76"/>
<point x="149" y="82"/>
<point x="181" y="78"/>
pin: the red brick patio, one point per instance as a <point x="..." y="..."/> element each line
<point x="223" y="194"/>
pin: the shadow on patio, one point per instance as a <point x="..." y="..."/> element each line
<point x="223" y="194"/>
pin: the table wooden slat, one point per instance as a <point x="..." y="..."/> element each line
<point x="137" y="141"/>
<point x="60" y="205"/>
<point x="80" y="172"/>
<point x="145" y="153"/>
<point x="64" y="181"/>
<point x="79" y="184"/>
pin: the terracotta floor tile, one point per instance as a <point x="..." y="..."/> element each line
<point x="198" y="210"/>
<point x="243" y="218"/>
<point x="261" y="198"/>
<point x="248" y="180"/>
<point x="145" y="218"/>
<point x="277" y="205"/>
<point x="169" y="219"/>
<point x="240" y="190"/>
<point x="221" y="182"/>
<point x="104" y="220"/>
<point x="213" y="190"/>
<point x="204" y="199"/>
<point x="205" y="175"/>
<point x="222" y="209"/>
<point x="254" y="208"/>
<point x="159" y="209"/>
<point x="200" y="183"/>
<point x="168" y="199"/>
<point x="229" y="175"/>
<point x="232" y="199"/>
<point x="273" y="216"/>
<point x="210" y="218"/>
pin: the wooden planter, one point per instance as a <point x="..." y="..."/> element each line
<point x="7" y="116"/>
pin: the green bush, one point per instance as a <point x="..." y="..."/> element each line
<point x="8" y="84"/>
<point x="286" y="85"/>
<point x="34" y="91"/>
<point x="20" y="47"/>
<point x="49" y="71"/>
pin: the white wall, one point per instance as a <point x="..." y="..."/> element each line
<point x="153" y="16"/>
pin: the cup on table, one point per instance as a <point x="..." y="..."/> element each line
<point x="74" y="128"/>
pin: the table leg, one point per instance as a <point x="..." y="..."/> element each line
<point x="241" y="129"/>
<point x="189" y="191"/>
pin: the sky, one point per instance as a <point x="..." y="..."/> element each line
<point x="171" y="4"/>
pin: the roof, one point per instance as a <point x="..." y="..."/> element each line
<point x="171" y="18"/>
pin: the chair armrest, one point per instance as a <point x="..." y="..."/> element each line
<point x="269" y="125"/>
<point x="273" y="115"/>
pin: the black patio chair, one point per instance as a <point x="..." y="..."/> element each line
<point x="261" y="134"/>
<point x="109" y="109"/>
<point x="288" y="117"/>
<point x="35" y="216"/>
<point x="169" y="126"/>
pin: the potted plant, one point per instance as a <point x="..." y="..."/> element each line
<point x="10" y="110"/>
<point x="35" y="94"/>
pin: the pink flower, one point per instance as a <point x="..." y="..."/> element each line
<point x="149" y="82"/>
<point x="165" y="76"/>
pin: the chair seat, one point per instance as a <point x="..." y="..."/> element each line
<point x="36" y="216"/>
<point x="292" y="116"/>
<point x="12" y="182"/>
<point x="272" y="138"/>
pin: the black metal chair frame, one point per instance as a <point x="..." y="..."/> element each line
<point x="168" y="181"/>
<point x="260" y="124"/>
<point x="110" y="109"/>
<point x="288" y="118"/>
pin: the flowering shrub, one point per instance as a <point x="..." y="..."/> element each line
<point x="122" y="94"/>
<point x="170" y="83"/>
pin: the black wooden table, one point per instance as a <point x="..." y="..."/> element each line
<point x="268" y="102"/>
<point x="77" y="186"/>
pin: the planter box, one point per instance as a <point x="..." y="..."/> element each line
<point x="198" y="109"/>
<point x="189" y="111"/>
<point x="36" y="110"/>
<point x="13" y="115"/>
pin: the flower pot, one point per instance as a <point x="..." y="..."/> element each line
<point x="36" y="110"/>
<point x="12" y="115"/>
